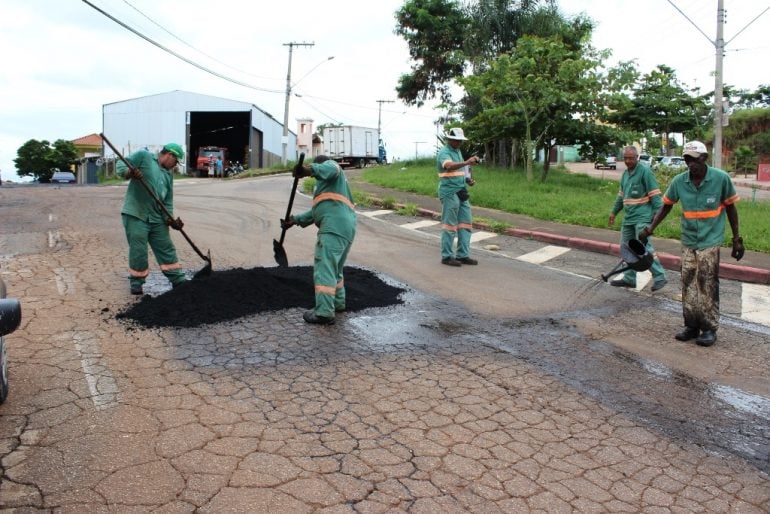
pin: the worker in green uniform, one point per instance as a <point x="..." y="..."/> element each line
<point x="144" y="221"/>
<point x="334" y="215"/>
<point x="639" y="198"/>
<point x="456" y="220"/>
<point x="708" y="196"/>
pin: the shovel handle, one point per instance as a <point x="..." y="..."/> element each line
<point x="291" y="197"/>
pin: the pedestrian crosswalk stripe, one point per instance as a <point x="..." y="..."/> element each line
<point x="374" y="214"/>
<point x="544" y="254"/>
<point x="755" y="303"/>
<point x="481" y="235"/>
<point x="420" y="224"/>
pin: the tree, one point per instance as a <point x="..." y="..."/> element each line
<point x="39" y="159"/>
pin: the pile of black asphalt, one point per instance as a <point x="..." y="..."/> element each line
<point x="231" y="294"/>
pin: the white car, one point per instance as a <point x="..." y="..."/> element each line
<point x="609" y="162"/>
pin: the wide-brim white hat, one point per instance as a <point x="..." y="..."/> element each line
<point x="456" y="134"/>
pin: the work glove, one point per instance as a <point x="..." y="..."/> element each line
<point x="645" y="234"/>
<point x="738" y="249"/>
<point x="176" y="224"/>
<point x="134" y="173"/>
<point x="301" y="171"/>
<point x="287" y="224"/>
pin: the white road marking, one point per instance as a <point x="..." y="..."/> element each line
<point x="51" y="217"/>
<point x="481" y="235"/>
<point x="65" y="281"/>
<point x="544" y="254"/>
<point x="101" y="384"/>
<point x="372" y="214"/>
<point x="420" y="224"/>
<point x="53" y="238"/>
<point x="755" y="303"/>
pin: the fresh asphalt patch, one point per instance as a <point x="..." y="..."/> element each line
<point x="230" y="294"/>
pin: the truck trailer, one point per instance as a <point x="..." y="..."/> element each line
<point x="350" y="145"/>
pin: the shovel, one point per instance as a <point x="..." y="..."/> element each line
<point x="206" y="270"/>
<point x="278" y="251"/>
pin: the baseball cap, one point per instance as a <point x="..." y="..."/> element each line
<point x="694" y="149"/>
<point x="175" y="149"/>
<point x="456" y="133"/>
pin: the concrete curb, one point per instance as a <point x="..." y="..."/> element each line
<point x="672" y="262"/>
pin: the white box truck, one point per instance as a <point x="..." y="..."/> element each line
<point x="352" y="146"/>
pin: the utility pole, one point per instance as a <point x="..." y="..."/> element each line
<point x="379" y="116"/>
<point x="416" y="145"/>
<point x="285" y="138"/>
<point x="716" y="158"/>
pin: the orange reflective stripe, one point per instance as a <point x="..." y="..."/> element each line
<point x="636" y="201"/>
<point x="451" y="228"/>
<point x="703" y="214"/>
<point x="466" y="226"/>
<point x="335" y="197"/>
<point x="448" y="174"/>
<point x="654" y="192"/>
<point x="667" y="200"/>
<point x="137" y="273"/>
<point x="731" y="200"/>
<point x="326" y="290"/>
<point x="169" y="267"/>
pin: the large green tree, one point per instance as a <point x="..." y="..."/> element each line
<point x="39" y="159"/>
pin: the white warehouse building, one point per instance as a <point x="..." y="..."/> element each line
<point x="252" y="136"/>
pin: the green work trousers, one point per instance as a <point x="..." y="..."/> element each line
<point x="456" y="220"/>
<point x="139" y="235"/>
<point x="331" y="252"/>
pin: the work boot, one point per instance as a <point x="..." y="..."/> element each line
<point x="687" y="334"/>
<point x="136" y="289"/>
<point x="451" y="262"/>
<point x="619" y="282"/>
<point x="311" y="317"/>
<point x="707" y="338"/>
<point x="468" y="260"/>
<point x="658" y="284"/>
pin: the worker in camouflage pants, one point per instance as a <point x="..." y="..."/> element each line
<point x="333" y="213"/>
<point x="143" y="219"/>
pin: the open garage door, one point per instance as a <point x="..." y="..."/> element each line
<point x="224" y="129"/>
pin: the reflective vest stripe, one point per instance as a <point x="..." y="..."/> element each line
<point x="326" y="290"/>
<point x="703" y="214"/>
<point x="137" y="273"/>
<point x="169" y="267"/>
<point x="466" y="226"/>
<point x="335" y="197"/>
<point x="448" y="174"/>
<point x="451" y="228"/>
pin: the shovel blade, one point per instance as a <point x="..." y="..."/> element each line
<point x="280" y="254"/>
<point x="205" y="271"/>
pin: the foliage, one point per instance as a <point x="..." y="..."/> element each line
<point x="40" y="159"/>
<point x="575" y="199"/>
<point x="750" y="128"/>
<point x="409" y="209"/>
<point x="745" y="160"/>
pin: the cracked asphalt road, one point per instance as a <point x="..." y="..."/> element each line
<point x="475" y="395"/>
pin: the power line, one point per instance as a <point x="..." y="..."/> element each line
<point x="178" y="56"/>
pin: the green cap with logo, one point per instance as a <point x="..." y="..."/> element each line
<point x="176" y="150"/>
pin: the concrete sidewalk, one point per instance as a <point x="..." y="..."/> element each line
<point x="754" y="267"/>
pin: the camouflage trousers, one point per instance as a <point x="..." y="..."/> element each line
<point x="700" y="288"/>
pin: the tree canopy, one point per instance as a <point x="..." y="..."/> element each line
<point x="40" y="159"/>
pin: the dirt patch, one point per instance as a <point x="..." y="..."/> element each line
<point x="231" y="294"/>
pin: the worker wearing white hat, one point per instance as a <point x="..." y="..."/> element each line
<point x="708" y="197"/>
<point x="455" y="208"/>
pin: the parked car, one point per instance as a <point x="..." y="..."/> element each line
<point x="646" y="159"/>
<point x="10" y="317"/>
<point x="609" y="162"/>
<point x="63" y="177"/>
<point x="672" y="162"/>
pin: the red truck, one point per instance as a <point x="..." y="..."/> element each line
<point x="206" y="162"/>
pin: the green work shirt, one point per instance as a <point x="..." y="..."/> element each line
<point x="137" y="202"/>
<point x="703" y="207"/>
<point x="639" y="196"/>
<point x="333" y="209"/>
<point x="449" y="182"/>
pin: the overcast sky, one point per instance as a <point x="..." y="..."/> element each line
<point x="63" y="59"/>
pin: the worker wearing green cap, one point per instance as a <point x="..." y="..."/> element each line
<point x="143" y="219"/>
